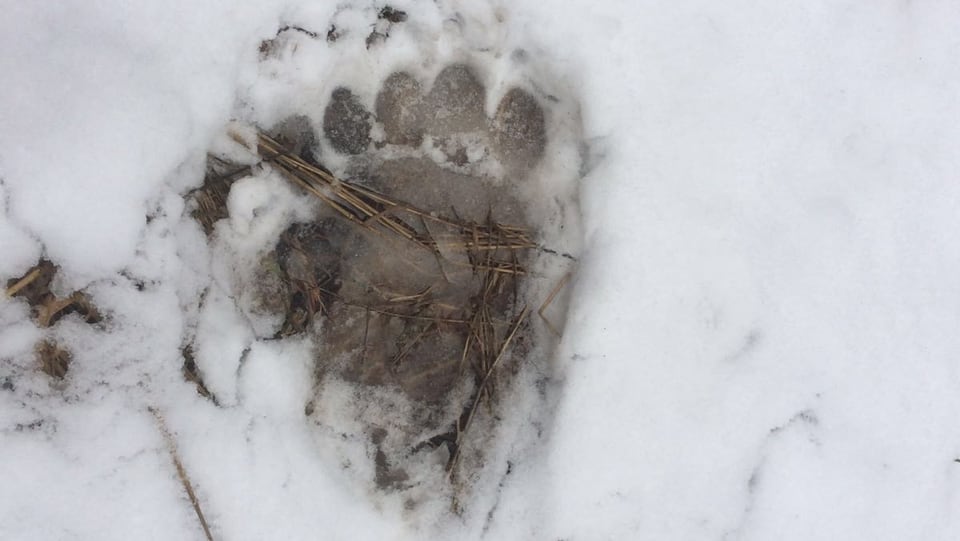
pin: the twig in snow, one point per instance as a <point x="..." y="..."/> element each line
<point x="181" y="471"/>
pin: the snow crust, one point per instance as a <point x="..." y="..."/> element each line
<point x="762" y="340"/>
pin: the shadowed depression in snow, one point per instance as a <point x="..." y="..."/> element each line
<point x="421" y="276"/>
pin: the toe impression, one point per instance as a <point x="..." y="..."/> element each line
<point x="519" y="130"/>
<point x="346" y="123"/>
<point x="399" y="108"/>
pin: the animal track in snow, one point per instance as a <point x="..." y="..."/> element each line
<point x="429" y="271"/>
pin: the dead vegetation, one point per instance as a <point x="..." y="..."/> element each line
<point x="210" y="207"/>
<point x="47" y="309"/>
<point x="380" y="213"/>
<point x="483" y="315"/>
<point x="54" y="360"/>
<point x="211" y="197"/>
<point x="492" y="252"/>
<point x="191" y="373"/>
<point x="182" y="475"/>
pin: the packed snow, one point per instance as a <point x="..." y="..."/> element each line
<point x="761" y="338"/>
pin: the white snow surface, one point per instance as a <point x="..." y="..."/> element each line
<point x="762" y="341"/>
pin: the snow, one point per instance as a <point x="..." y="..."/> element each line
<point x="779" y="185"/>
<point x="131" y="91"/>
<point x="761" y="341"/>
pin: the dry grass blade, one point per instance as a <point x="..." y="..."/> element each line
<point x="412" y="344"/>
<point x="550" y="298"/>
<point x="23" y="282"/>
<point x="483" y="257"/>
<point x="211" y="197"/>
<point x="49" y="310"/>
<point x="181" y="471"/>
<point x="411" y="298"/>
<point x="379" y="212"/>
<point x="464" y="425"/>
<point x="393" y="313"/>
